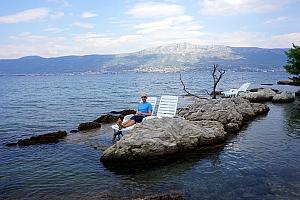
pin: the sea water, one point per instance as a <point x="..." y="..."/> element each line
<point x="262" y="162"/>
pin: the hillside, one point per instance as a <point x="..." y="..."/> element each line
<point x="167" y="58"/>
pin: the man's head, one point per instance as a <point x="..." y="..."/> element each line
<point x="144" y="96"/>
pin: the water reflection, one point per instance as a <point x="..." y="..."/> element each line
<point x="175" y="165"/>
<point x="292" y="116"/>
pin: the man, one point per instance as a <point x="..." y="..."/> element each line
<point x="144" y="110"/>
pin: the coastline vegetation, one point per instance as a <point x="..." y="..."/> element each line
<point x="293" y="63"/>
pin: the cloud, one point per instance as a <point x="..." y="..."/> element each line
<point x="285" y="40"/>
<point x="53" y="30"/>
<point x="172" y="29"/>
<point x="88" y="15"/>
<point x="275" y="20"/>
<point x="233" y="7"/>
<point x="104" y="44"/>
<point x="57" y="15"/>
<point x="84" y="25"/>
<point x="27" y="43"/>
<point x="238" y="39"/>
<point x="254" y="39"/>
<point x="25" y="16"/>
<point x="155" y="10"/>
<point x="28" y="37"/>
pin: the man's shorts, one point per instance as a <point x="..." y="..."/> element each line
<point x="137" y="118"/>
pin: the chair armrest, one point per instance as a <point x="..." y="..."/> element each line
<point x="127" y="117"/>
<point x="149" y="117"/>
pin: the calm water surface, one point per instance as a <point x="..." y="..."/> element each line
<point x="262" y="162"/>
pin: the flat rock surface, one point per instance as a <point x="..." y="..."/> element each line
<point x="231" y="112"/>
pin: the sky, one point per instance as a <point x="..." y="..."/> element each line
<point x="52" y="28"/>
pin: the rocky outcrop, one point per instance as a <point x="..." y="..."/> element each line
<point x="284" y="97"/>
<point x="232" y="112"/>
<point x="164" y="136"/>
<point x="88" y="126"/>
<point x="41" y="139"/>
<point x="124" y="112"/>
<point x="261" y="95"/>
<point x="260" y="109"/>
<point x="113" y="116"/>
<point x="285" y="82"/>
<point x="203" y="123"/>
<point x="288" y="82"/>
<point x="107" y="118"/>
<point x="268" y="94"/>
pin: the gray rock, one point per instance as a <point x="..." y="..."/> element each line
<point x="164" y="136"/>
<point x="284" y="82"/>
<point x="297" y="93"/>
<point x="88" y="126"/>
<point x="107" y="118"/>
<point x="41" y="139"/>
<point x="231" y="112"/>
<point x="284" y="97"/>
<point x="260" y="108"/>
<point x="262" y="95"/>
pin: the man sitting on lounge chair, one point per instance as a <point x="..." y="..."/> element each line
<point x="144" y="110"/>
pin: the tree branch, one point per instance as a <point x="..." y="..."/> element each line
<point x="184" y="88"/>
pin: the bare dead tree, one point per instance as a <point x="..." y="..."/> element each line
<point x="184" y="88"/>
<point x="217" y="75"/>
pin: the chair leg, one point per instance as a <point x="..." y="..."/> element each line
<point x="117" y="133"/>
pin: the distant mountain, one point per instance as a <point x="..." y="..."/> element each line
<point x="167" y="58"/>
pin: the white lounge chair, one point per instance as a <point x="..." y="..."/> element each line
<point x="167" y="106"/>
<point x="235" y="92"/>
<point x="115" y="127"/>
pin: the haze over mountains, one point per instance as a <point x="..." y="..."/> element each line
<point x="167" y="58"/>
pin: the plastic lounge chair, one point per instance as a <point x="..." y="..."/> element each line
<point x="115" y="127"/>
<point x="235" y="92"/>
<point x="167" y="106"/>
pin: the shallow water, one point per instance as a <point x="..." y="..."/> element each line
<point x="262" y="162"/>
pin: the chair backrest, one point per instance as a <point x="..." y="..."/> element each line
<point x="167" y="106"/>
<point x="153" y="101"/>
<point x="244" y="87"/>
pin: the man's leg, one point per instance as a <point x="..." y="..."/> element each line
<point x="128" y="123"/>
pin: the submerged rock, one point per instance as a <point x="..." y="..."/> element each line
<point x="41" y="139"/>
<point x="88" y="126"/>
<point x="164" y="136"/>
<point x="167" y="196"/>
<point x="284" y="97"/>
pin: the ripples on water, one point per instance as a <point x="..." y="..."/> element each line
<point x="262" y="162"/>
